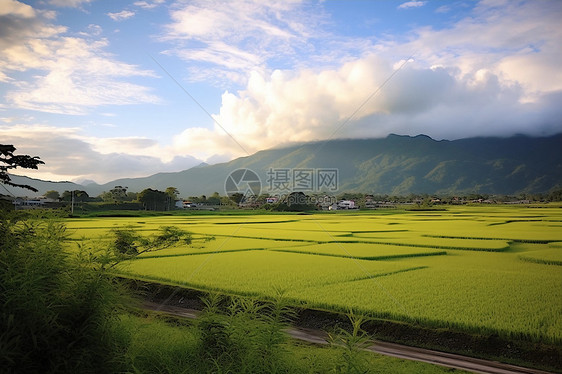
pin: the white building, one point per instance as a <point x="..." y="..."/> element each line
<point x="31" y="203"/>
<point x="185" y="204"/>
<point x="346" y="204"/>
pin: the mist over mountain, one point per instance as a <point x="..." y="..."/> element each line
<point x="395" y="165"/>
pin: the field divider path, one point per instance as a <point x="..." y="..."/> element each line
<point x="315" y="336"/>
<point x="360" y="241"/>
<point x="196" y="253"/>
<point x="533" y="241"/>
<point x="366" y="258"/>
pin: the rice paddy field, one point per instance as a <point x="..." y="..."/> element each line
<point x="481" y="269"/>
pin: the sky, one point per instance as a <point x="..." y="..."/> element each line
<point x="101" y="90"/>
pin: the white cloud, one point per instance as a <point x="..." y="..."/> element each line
<point x="222" y="54"/>
<point x="122" y="15"/>
<point x="19" y="21"/>
<point x="15" y="8"/>
<point x="240" y="36"/>
<point x="148" y="4"/>
<point x="517" y="41"/>
<point x="69" y="155"/>
<point x="68" y="75"/>
<point x="69" y="3"/>
<point x="411" y="4"/>
<point x="92" y="31"/>
<point x="288" y="107"/>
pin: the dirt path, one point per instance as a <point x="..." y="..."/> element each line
<point x="474" y="365"/>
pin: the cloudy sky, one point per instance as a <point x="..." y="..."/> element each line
<point x="107" y="89"/>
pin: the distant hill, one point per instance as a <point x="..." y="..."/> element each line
<point x="393" y="165"/>
<point x="41" y="185"/>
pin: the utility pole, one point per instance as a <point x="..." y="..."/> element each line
<point x="72" y="202"/>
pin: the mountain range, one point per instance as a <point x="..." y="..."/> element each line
<point x="396" y="165"/>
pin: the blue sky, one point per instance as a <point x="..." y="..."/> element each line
<point x="101" y="89"/>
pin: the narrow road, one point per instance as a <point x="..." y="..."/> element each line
<point x="450" y="360"/>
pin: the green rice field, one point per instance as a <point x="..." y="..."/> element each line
<point x="489" y="269"/>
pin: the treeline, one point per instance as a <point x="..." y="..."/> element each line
<point x="360" y="198"/>
<point x="119" y="198"/>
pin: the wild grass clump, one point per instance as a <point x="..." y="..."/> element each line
<point x="242" y="335"/>
<point x="354" y="343"/>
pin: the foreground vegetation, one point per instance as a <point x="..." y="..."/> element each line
<point x="62" y="311"/>
<point x="247" y="345"/>
<point x="58" y="311"/>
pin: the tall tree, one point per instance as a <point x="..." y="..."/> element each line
<point x="9" y="161"/>
<point x="118" y="193"/>
<point x="79" y="196"/>
<point x="132" y="196"/>
<point x="215" y="199"/>
<point x="172" y="195"/>
<point x="153" y="199"/>
<point x="66" y="196"/>
<point x="173" y="192"/>
<point x="107" y="197"/>
<point x="52" y="194"/>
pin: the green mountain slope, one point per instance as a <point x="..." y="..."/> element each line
<point x="393" y="165"/>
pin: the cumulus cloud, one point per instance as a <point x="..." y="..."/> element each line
<point x="71" y="75"/>
<point x="289" y="107"/>
<point x="69" y="155"/>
